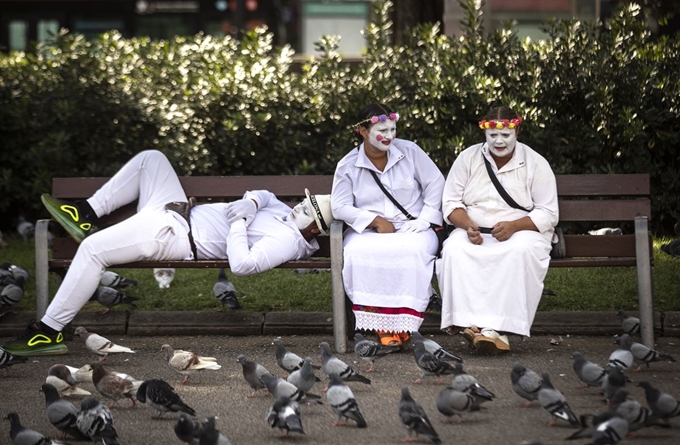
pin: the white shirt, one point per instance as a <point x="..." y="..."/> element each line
<point x="410" y="176"/>
<point x="527" y="178"/>
<point x="269" y="241"/>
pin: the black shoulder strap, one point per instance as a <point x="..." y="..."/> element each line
<point x="511" y="202"/>
<point x="394" y="201"/>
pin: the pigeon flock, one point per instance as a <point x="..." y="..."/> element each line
<point x="294" y="393"/>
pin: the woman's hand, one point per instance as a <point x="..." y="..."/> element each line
<point x="381" y="225"/>
<point x="474" y="235"/>
<point x="503" y="230"/>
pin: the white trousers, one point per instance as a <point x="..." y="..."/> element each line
<point x="495" y="285"/>
<point x="152" y="234"/>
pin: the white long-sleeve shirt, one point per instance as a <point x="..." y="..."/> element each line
<point x="269" y="240"/>
<point x="410" y="176"/>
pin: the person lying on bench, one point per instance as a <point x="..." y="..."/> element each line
<point x="256" y="233"/>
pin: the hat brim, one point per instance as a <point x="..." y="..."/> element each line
<point x="316" y="212"/>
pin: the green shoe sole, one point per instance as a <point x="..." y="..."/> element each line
<point x="53" y="206"/>
<point x="60" y="349"/>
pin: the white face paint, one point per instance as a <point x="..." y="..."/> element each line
<point x="380" y="135"/>
<point x="302" y="214"/>
<point x="501" y="142"/>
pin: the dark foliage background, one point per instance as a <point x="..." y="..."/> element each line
<point x="596" y="99"/>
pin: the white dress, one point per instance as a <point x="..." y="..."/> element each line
<point x="388" y="270"/>
<point x="497" y="285"/>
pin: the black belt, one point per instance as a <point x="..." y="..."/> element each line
<point x="485" y="229"/>
<point x="183" y="209"/>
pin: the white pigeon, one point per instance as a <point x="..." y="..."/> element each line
<point x="99" y="345"/>
<point x="61" y="377"/>
<point x="164" y="277"/>
<point x="187" y="363"/>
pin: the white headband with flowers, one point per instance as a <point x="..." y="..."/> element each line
<point x="379" y="118"/>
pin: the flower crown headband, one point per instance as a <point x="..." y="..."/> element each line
<point x="380" y="118"/>
<point x="509" y="123"/>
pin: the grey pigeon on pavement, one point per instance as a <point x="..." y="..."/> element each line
<point x="95" y="421"/>
<point x="110" y="297"/>
<point x="554" y="402"/>
<point x="225" y="292"/>
<point x="464" y="382"/>
<point x="342" y="402"/>
<point x="162" y="397"/>
<point x="8" y="360"/>
<point x="631" y="410"/>
<point x="621" y="357"/>
<point x="114" y="280"/>
<point x="304" y="378"/>
<point x="11" y="295"/>
<point x="278" y="387"/>
<point x="62" y="379"/>
<point x="21" y="435"/>
<point x="433" y="347"/>
<point x="629" y="324"/>
<point x="285" y="415"/>
<point x="188" y="430"/>
<point x="99" y="345"/>
<point x="414" y="418"/>
<point x="253" y="373"/>
<point x="429" y="364"/>
<point x="287" y="360"/>
<point x="333" y="365"/>
<point x="591" y="374"/>
<point x="644" y="355"/>
<point x="212" y="436"/>
<point x="612" y="381"/>
<point x="111" y="386"/>
<point x="188" y="363"/>
<point x="369" y="350"/>
<point x="605" y="428"/>
<point x="61" y="413"/>
<point x="451" y="402"/>
<point x="526" y="383"/>
<point x="663" y="405"/>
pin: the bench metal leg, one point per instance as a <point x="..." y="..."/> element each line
<point x="42" y="290"/>
<point x="338" y="289"/>
<point x="644" y="274"/>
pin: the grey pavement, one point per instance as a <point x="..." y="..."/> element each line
<point x="242" y="420"/>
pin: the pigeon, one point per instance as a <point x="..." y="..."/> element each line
<point x="589" y="373"/>
<point x="606" y="231"/>
<point x="304" y="378"/>
<point x="84" y="374"/>
<point x="25" y="228"/>
<point x="285" y="414"/>
<point x="187" y="430"/>
<point x="21" y="435"/>
<point x="162" y="397"/>
<point x="253" y="373"/>
<point x="672" y="248"/>
<point x="332" y="364"/>
<point x="342" y="402"/>
<point x="6" y="276"/>
<point x="464" y="382"/>
<point x="612" y="381"/>
<point x="8" y="360"/>
<point x="210" y="435"/>
<point x="643" y="354"/>
<point x="526" y="383"/>
<point x="369" y="350"/>
<point x="114" y="280"/>
<point x="631" y="410"/>
<point x="287" y="360"/>
<point x="433" y="347"/>
<point x="621" y="357"/>
<point x="164" y="277"/>
<point x="225" y="292"/>
<point x="554" y="402"/>
<point x="414" y="418"/>
<point x="605" y="428"/>
<point x="188" y="363"/>
<point x="18" y="271"/>
<point x="110" y="297"/>
<point x="278" y="387"/>
<point x="112" y="386"/>
<point x="11" y="295"/>
<point x="663" y="405"/>
<point x="99" y="345"/>
<point x="62" y="379"/>
<point x="95" y="421"/>
<point x="61" y="413"/>
<point x="451" y="402"/>
<point x="629" y="324"/>
<point x="429" y="364"/>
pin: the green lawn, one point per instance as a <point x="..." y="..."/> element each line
<point x="577" y="289"/>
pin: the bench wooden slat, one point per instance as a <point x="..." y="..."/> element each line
<point x="310" y="263"/>
<point x="603" y="185"/>
<point x="612" y="210"/>
<point x="593" y="262"/>
<point x="601" y="246"/>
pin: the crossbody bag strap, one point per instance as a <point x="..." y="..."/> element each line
<point x="394" y="201"/>
<point x="511" y="202"/>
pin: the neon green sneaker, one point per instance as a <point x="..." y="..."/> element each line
<point x="34" y="342"/>
<point x="68" y="215"/>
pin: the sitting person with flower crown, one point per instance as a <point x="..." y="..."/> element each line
<point x="493" y="264"/>
<point x="388" y="252"/>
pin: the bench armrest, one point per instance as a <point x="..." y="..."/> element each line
<point x="42" y="298"/>
<point x="338" y="289"/>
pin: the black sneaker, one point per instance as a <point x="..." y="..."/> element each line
<point x="35" y="342"/>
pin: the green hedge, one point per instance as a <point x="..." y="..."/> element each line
<point x="596" y="99"/>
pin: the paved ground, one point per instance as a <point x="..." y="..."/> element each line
<point x="223" y="392"/>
